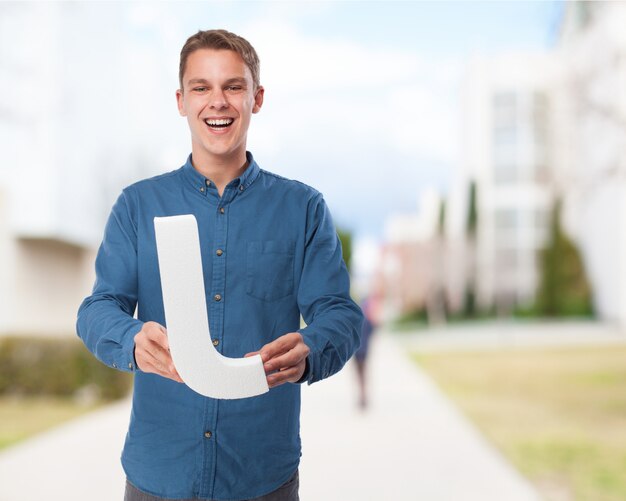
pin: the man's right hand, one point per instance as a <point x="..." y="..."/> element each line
<point x="152" y="351"/>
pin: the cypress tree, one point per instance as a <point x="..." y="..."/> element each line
<point x="441" y="221"/>
<point x="563" y="288"/>
<point x="469" y="301"/>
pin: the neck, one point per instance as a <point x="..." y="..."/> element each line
<point x="220" y="170"/>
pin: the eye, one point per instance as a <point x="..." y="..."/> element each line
<point x="199" y="89"/>
<point x="233" y="88"/>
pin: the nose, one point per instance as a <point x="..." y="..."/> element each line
<point x="218" y="100"/>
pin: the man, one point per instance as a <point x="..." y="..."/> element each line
<point x="270" y="253"/>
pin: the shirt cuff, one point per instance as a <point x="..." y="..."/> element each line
<point x="305" y="374"/>
<point x="126" y="361"/>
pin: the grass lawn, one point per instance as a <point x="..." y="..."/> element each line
<point x="559" y="414"/>
<point x="21" y="418"/>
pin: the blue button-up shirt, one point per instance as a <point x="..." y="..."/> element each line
<point x="270" y="250"/>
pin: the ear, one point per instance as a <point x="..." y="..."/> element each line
<point x="179" y="102"/>
<point x="258" y="99"/>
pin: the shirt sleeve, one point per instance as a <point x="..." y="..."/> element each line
<point x="332" y="317"/>
<point x="105" y="320"/>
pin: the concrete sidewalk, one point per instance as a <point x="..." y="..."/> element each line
<point x="411" y="444"/>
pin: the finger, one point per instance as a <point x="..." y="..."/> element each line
<point x="149" y="346"/>
<point x="159" y="337"/>
<point x="155" y="348"/>
<point x="156" y="367"/>
<point x="153" y="367"/>
<point x="289" y="359"/>
<point x="163" y="366"/>
<point x="176" y="377"/>
<point x="154" y="327"/>
<point x="251" y="354"/>
<point x="273" y="349"/>
<point x="281" y="345"/>
<point x="156" y="355"/>
<point x="285" y="376"/>
<point x="164" y="359"/>
<point x="170" y="368"/>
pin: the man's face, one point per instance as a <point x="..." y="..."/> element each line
<point x="218" y="99"/>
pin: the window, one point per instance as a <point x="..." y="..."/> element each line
<point x="505" y="137"/>
<point x="506" y="219"/>
<point x="504" y="109"/>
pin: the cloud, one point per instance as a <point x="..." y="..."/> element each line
<point x="370" y="127"/>
<point x="320" y="91"/>
<point x="296" y="63"/>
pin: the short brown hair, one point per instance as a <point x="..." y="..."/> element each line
<point x="220" y="40"/>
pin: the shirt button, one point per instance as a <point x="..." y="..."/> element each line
<point x="208" y="183"/>
<point x="217" y="297"/>
<point x="221" y="210"/>
<point x="241" y="187"/>
<point x="130" y="366"/>
<point x="219" y="252"/>
<point x="208" y="434"/>
<point x="202" y="189"/>
<point x="216" y="342"/>
<point x="115" y="366"/>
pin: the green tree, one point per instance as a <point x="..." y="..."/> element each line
<point x="436" y="297"/>
<point x="346" y="246"/>
<point x="563" y="287"/>
<point x="469" y="301"/>
<point x="472" y="212"/>
<point x="441" y="220"/>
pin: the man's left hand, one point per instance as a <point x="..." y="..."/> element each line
<point x="284" y="359"/>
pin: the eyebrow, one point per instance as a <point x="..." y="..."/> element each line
<point x="237" y="80"/>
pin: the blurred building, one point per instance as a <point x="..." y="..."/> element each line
<point x="67" y="146"/>
<point x="538" y="127"/>
<point x="412" y="261"/>
<point x="591" y="144"/>
<point x="507" y="136"/>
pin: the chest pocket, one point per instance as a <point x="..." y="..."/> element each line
<point x="269" y="269"/>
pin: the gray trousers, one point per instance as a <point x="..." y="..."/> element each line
<point x="286" y="492"/>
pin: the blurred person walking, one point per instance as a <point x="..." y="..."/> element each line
<point x="369" y="306"/>
<point x="270" y="254"/>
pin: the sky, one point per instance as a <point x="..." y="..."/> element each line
<point x="362" y="98"/>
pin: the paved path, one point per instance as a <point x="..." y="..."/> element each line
<point x="75" y="461"/>
<point x="411" y="444"/>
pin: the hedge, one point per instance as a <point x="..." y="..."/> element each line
<point x="56" y="366"/>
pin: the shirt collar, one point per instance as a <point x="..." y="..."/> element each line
<point x="251" y="173"/>
<point x="201" y="183"/>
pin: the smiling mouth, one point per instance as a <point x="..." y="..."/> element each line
<point x="219" y="123"/>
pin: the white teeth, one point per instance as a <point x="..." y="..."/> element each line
<point x="219" y="121"/>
